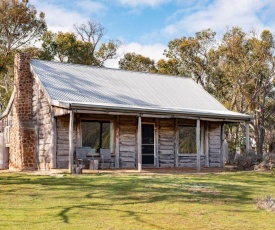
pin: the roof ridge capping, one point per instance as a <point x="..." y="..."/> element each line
<point x="109" y="68"/>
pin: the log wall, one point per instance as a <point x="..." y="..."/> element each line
<point x="62" y="141"/>
<point x="126" y="137"/>
<point x="166" y="148"/>
<point x="215" y="145"/>
<point x="127" y="142"/>
<point x="190" y="161"/>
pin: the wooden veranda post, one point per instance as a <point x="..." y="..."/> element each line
<point x="247" y="136"/>
<point x="198" y="142"/>
<point x="157" y="143"/>
<point x="71" y="141"/>
<point x="117" y="143"/>
<point x="53" y="141"/>
<point x="139" y="145"/>
<point x="207" y="146"/>
<point x="176" y="143"/>
<point x="222" y="146"/>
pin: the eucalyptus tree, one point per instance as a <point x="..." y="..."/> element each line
<point x="170" y="66"/>
<point x="243" y="76"/>
<point x="192" y="56"/>
<point x="20" y="25"/>
<point x="137" y="62"/>
<point x="83" y="46"/>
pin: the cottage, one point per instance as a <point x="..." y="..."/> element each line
<point x="59" y="110"/>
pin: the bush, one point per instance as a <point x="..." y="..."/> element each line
<point x="268" y="162"/>
<point x="245" y="161"/>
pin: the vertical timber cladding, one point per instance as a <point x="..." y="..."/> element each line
<point x="166" y="146"/>
<point x="62" y="142"/>
<point x="214" y="144"/>
<point x="127" y="141"/>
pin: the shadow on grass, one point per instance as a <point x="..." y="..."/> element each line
<point x="108" y="207"/>
<point x="235" y="188"/>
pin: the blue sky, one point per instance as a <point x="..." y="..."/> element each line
<point x="146" y="26"/>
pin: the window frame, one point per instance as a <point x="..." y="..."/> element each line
<point x="202" y="140"/>
<point x="101" y="121"/>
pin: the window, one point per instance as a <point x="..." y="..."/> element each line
<point x="187" y="139"/>
<point x="97" y="134"/>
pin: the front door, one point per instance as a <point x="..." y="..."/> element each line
<point x="148" y="144"/>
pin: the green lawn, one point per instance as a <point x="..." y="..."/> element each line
<point x="136" y="201"/>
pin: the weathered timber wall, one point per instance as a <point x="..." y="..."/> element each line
<point x="190" y="161"/>
<point x="62" y="141"/>
<point x="166" y="148"/>
<point x="127" y="141"/>
<point x="214" y="145"/>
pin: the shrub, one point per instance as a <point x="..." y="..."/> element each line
<point x="268" y="162"/>
<point x="245" y="161"/>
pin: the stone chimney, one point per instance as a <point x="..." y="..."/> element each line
<point x="22" y="132"/>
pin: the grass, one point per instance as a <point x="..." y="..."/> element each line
<point x="136" y="201"/>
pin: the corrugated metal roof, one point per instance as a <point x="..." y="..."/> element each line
<point x="97" y="86"/>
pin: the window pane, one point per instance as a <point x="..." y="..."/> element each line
<point x="91" y="134"/>
<point x="187" y="139"/>
<point x="97" y="134"/>
<point x="105" y="136"/>
<point x="147" y="134"/>
<point x="148" y="149"/>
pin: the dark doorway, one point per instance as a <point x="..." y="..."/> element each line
<point x="148" y="146"/>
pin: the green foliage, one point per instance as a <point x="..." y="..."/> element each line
<point x="192" y="54"/>
<point x="137" y="62"/>
<point x="80" y="47"/>
<point x="19" y="25"/>
<point x="171" y="66"/>
<point x="243" y="78"/>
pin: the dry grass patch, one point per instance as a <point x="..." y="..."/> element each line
<point x="266" y="204"/>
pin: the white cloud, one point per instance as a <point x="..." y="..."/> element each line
<point x="58" y="18"/>
<point x="218" y="15"/>
<point x="91" y="6"/>
<point x="135" y="3"/>
<point x="153" y="51"/>
<point x="62" y="17"/>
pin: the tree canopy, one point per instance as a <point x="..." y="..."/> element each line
<point x="137" y="62"/>
<point x="20" y="24"/>
<point x="80" y="47"/>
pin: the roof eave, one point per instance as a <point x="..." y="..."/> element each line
<point x="140" y="110"/>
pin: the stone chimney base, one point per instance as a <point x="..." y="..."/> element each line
<point x="22" y="132"/>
